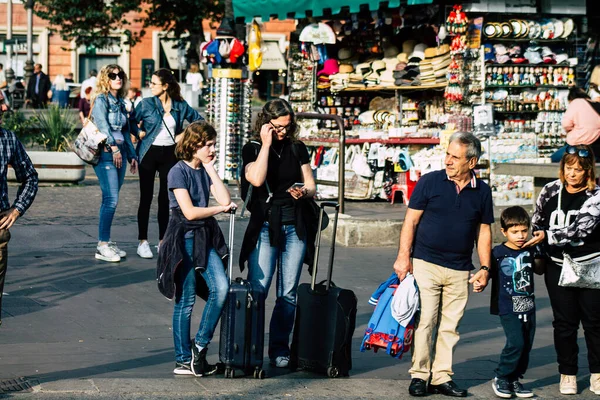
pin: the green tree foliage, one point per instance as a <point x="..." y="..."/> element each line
<point x="90" y="22"/>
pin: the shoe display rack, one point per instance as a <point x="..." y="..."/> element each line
<point x="229" y="111"/>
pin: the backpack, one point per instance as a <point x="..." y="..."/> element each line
<point x="384" y="332"/>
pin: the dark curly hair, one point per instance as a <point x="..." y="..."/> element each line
<point x="194" y="136"/>
<point x="167" y="78"/>
<point x="274" y="109"/>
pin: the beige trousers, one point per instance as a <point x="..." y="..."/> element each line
<point x="443" y="293"/>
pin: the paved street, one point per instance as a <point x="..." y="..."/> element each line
<point x="77" y="328"/>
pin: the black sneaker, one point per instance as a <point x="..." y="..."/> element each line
<point x="183" y="369"/>
<point x="201" y="367"/>
<point x="502" y="388"/>
<point x="520" y="391"/>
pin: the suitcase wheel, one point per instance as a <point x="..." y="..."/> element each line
<point x="367" y="346"/>
<point x="333" y="372"/>
<point x="259" y="374"/>
<point x="229" y="373"/>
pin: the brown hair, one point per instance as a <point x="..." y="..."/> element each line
<point x="103" y="82"/>
<point x="194" y="136"/>
<point x="274" y="109"/>
<point x="587" y="163"/>
<point x="166" y="78"/>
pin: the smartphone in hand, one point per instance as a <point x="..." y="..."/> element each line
<point x="297" y="185"/>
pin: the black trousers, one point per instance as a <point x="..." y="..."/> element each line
<point x="572" y="306"/>
<point x="514" y="358"/>
<point x="158" y="159"/>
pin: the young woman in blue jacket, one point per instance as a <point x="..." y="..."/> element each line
<point x="161" y="117"/>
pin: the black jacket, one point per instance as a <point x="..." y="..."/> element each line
<point x="207" y="234"/>
<point x="43" y="88"/>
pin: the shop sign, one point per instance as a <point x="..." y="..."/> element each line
<point x="272" y="59"/>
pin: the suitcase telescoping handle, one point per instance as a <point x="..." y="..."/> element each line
<point x="318" y="243"/>
<point x="231" y="229"/>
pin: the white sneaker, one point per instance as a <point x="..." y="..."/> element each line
<point x="121" y="253"/>
<point x="107" y="253"/>
<point x="144" y="250"/>
<point x="568" y="384"/>
<point x="281" y="362"/>
<point x="595" y="383"/>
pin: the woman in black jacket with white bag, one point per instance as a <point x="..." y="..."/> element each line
<point x="567" y="219"/>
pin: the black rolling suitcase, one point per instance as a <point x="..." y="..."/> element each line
<point x="325" y="319"/>
<point x="242" y="323"/>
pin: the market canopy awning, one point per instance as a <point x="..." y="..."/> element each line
<point x="283" y="9"/>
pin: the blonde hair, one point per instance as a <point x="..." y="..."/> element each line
<point x="588" y="164"/>
<point x="60" y="83"/>
<point x="103" y="82"/>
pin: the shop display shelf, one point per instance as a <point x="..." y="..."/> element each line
<point x="541" y="65"/>
<point x="380" y="88"/>
<point x="393" y="141"/>
<point x="527" y="111"/>
<point x="529" y="86"/>
<point x="567" y="39"/>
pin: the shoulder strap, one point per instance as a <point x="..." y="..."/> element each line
<point x="595" y="106"/>
<point x="162" y="117"/>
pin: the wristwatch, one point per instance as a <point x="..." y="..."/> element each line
<point x="483" y="267"/>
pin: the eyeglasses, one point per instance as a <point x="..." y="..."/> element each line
<point x="580" y="152"/>
<point x="112" y="76"/>
<point x="154" y="84"/>
<point x="280" y="128"/>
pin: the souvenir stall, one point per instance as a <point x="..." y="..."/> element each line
<point x="230" y="92"/>
<point x="384" y="74"/>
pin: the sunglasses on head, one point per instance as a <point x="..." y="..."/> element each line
<point x="580" y="152"/>
<point x="112" y="76"/>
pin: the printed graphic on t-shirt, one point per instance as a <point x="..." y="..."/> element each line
<point x="558" y="220"/>
<point x="515" y="280"/>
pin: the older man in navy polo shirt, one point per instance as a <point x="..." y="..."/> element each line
<point x="449" y="211"/>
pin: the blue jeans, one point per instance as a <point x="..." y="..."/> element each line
<point x="514" y="358"/>
<point x="111" y="179"/>
<point x="261" y="267"/>
<point x="185" y="297"/>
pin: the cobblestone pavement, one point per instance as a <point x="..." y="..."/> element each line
<point x="77" y="328"/>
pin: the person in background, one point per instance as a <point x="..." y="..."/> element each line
<point x="194" y="246"/>
<point x="90" y="81"/>
<point x="59" y="91"/>
<point x="132" y="99"/>
<point x="69" y="78"/>
<point x="84" y="104"/>
<point x="13" y="153"/>
<point x="277" y="236"/>
<point x="162" y="117"/>
<point x="38" y="88"/>
<point x="581" y="121"/>
<point x="111" y="118"/>
<point x="3" y="83"/>
<point x="194" y="77"/>
<point x="567" y="220"/>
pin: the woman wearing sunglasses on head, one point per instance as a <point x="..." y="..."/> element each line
<point x="110" y="116"/>
<point x="161" y="117"/>
<point x="281" y="225"/>
<point x="581" y="121"/>
<point x="567" y="221"/>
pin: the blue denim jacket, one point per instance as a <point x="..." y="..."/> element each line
<point x="109" y="112"/>
<point x="150" y="111"/>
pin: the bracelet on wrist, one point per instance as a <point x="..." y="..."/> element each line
<point x="485" y="268"/>
<point x="116" y="151"/>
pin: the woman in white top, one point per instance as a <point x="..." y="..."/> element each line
<point x="194" y="77"/>
<point x="161" y="117"/>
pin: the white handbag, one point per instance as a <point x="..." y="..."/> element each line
<point x="89" y="142"/>
<point x="580" y="274"/>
